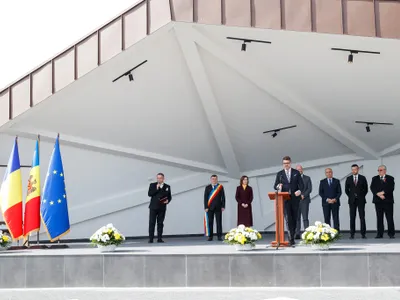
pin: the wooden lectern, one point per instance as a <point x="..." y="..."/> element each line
<point x="279" y="218"/>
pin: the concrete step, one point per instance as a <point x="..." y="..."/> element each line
<point x="392" y="293"/>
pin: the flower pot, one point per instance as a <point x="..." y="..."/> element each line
<point x="320" y="246"/>
<point x="109" y="248"/>
<point x="245" y="247"/>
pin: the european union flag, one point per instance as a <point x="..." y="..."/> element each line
<point x="54" y="208"/>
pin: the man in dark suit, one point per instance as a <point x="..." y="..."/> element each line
<point x="304" y="205"/>
<point x="160" y="194"/>
<point x="382" y="187"/>
<point x="214" y="205"/>
<point x="356" y="188"/>
<point x="330" y="192"/>
<point x="289" y="180"/>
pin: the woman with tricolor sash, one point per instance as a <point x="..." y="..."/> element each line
<point x="214" y="205"/>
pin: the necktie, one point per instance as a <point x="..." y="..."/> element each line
<point x="329" y="181"/>
<point x="355" y="180"/>
<point x="382" y="178"/>
<point x="288" y="176"/>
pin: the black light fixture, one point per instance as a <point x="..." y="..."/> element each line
<point x="275" y="131"/>
<point x="368" y="124"/>
<point x="129" y="72"/>
<point x="350" y="58"/>
<point x="244" y="46"/>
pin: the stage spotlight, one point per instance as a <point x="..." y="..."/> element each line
<point x="350" y="59"/>
<point x="274" y="134"/>
<point x="367" y="128"/>
<point x="244" y="46"/>
<point x="130" y="77"/>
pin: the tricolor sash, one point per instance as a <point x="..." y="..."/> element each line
<point x="214" y="192"/>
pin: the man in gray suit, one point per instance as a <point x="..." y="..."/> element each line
<point x="304" y="202"/>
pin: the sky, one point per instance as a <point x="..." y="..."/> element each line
<point x="33" y="31"/>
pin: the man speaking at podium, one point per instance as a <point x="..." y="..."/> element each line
<point x="289" y="180"/>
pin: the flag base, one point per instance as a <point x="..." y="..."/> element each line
<point x="59" y="246"/>
<point x="38" y="247"/>
<point x="13" y="248"/>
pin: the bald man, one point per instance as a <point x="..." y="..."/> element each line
<point x="330" y="192"/>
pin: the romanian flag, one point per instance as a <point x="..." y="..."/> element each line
<point x="32" y="205"/>
<point x="54" y="207"/>
<point x="11" y="195"/>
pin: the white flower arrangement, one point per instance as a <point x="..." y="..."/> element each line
<point x="106" y="236"/>
<point x="320" y="233"/>
<point x="242" y="235"/>
<point x="5" y="240"/>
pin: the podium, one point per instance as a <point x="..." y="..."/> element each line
<point x="279" y="218"/>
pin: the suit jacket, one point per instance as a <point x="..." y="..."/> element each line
<point x="295" y="184"/>
<point x="219" y="200"/>
<point x="307" y="188"/>
<point x="157" y="194"/>
<point x="377" y="185"/>
<point x="330" y="192"/>
<point x="356" y="192"/>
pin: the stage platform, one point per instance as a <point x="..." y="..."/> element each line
<point x="194" y="262"/>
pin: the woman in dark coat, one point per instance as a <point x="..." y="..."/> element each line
<point x="244" y="197"/>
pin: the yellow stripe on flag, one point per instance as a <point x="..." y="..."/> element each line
<point x="11" y="190"/>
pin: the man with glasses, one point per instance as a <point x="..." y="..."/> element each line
<point x="289" y="180"/>
<point x="382" y="187"/>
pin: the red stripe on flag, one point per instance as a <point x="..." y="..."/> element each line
<point x="13" y="218"/>
<point x="32" y="216"/>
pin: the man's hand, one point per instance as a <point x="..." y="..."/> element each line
<point x="382" y="197"/>
<point x="297" y="193"/>
<point x="329" y="200"/>
<point x="158" y="186"/>
<point x="302" y="197"/>
<point x="206" y="210"/>
<point x="222" y="209"/>
<point x="243" y="205"/>
<point x="166" y="202"/>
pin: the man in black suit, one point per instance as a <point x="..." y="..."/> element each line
<point x="330" y="192"/>
<point x="356" y="188"/>
<point x="289" y="180"/>
<point x="304" y="205"/>
<point x="160" y="194"/>
<point x="382" y="187"/>
<point x="214" y="205"/>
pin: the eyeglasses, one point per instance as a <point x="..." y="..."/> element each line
<point x="380" y="170"/>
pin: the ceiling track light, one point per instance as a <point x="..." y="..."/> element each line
<point x="350" y="58"/>
<point x="245" y="41"/>
<point x="129" y="72"/>
<point x="368" y="124"/>
<point x="275" y="131"/>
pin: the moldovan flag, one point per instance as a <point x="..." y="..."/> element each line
<point x="54" y="208"/>
<point x="32" y="204"/>
<point x="11" y="195"/>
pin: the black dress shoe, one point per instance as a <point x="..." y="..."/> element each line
<point x="391" y="237"/>
<point x="210" y="239"/>
<point x="364" y="236"/>
<point x="352" y="237"/>
<point x="160" y="241"/>
<point x="297" y="237"/>
<point x="292" y="243"/>
<point x="150" y="241"/>
<point x="379" y="237"/>
<point x="220" y="239"/>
